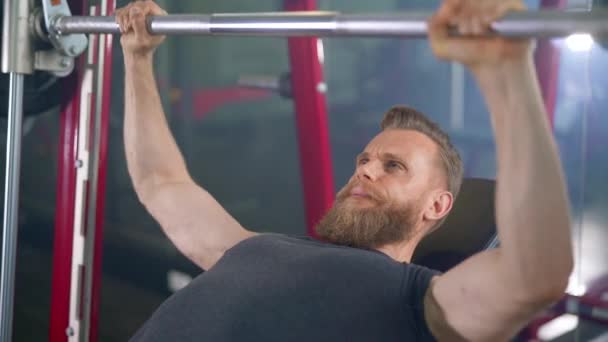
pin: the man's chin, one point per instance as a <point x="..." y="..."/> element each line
<point x="365" y="223"/>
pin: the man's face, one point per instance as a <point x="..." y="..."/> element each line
<point x="384" y="200"/>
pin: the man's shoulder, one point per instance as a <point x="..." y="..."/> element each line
<point x="416" y="280"/>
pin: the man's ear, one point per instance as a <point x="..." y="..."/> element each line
<point x="439" y="205"/>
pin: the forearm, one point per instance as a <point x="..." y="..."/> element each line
<point x="532" y="210"/>
<point x="153" y="157"/>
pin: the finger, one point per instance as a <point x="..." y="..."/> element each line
<point x="481" y="19"/>
<point x="445" y="17"/>
<point x="474" y="19"/>
<point x="439" y="38"/>
<point x="437" y="29"/>
<point x="462" y="25"/>
<point x="126" y="21"/>
<point x="126" y="17"/>
<point x="447" y="11"/>
<point x="488" y="18"/>
<point x="138" y="19"/>
<point x="476" y="26"/>
<point x="118" y="14"/>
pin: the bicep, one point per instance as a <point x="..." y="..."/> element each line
<point x="473" y="302"/>
<point x="194" y="221"/>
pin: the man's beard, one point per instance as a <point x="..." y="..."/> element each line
<point x="367" y="228"/>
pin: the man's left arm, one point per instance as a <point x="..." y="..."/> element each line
<point x="492" y="295"/>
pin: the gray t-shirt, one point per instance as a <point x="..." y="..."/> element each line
<point x="274" y="287"/>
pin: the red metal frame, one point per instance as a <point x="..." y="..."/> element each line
<point x="311" y="122"/>
<point x="64" y="213"/>
<point x="65" y="197"/>
<point x="66" y="187"/>
<point x="205" y="101"/>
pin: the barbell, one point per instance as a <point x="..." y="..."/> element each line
<point x="542" y="24"/>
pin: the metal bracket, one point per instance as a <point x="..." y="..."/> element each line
<point x="53" y="62"/>
<point x="69" y="45"/>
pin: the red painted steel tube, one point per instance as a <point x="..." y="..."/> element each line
<point x="311" y="122"/>
<point x="64" y="214"/>
<point x="65" y="197"/>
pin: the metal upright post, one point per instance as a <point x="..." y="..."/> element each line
<point x="17" y="59"/>
<point x="11" y="208"/>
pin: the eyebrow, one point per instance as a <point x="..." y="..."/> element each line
<point x="392" y="156"/>
<point x="387" y="155"/>
<point x="362" y="155"/>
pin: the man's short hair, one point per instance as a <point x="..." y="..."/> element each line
<point x="403" y="117"/>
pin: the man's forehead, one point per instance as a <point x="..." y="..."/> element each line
<point x="400" y="142"/>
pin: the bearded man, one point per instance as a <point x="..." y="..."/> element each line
<point x="358" y="283"/>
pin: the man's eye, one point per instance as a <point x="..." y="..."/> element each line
<point x="362" y="161"/>
<point x="393" y="165"/>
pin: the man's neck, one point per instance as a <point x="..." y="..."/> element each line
<point x="403" y="251"/>
<point x="400" y="251"/>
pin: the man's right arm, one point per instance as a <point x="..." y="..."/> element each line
<point x="194" y="221"/>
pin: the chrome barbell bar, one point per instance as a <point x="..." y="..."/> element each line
<point x="542" y="24"/>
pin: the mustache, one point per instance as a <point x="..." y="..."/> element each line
<point x="369" y="190"/>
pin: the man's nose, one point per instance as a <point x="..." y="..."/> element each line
<point x="370" y="171"/>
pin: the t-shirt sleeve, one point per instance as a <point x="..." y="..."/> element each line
<point x="415" y="282"/>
